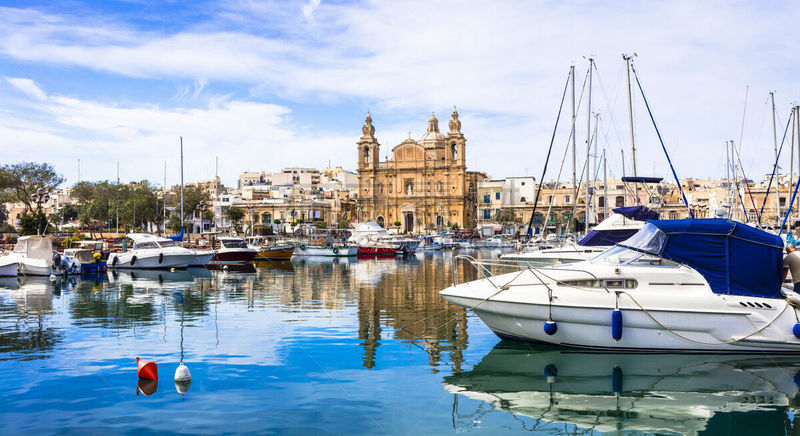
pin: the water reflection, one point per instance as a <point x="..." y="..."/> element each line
<point x="669" y="393"/>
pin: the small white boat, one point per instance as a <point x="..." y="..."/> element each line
<point x="621" y="225"/>
<point x="432" y="243"/>
<point x="498" y="241"/>
<point x="152" y="252"/>
<point x="323" y="251"/>
<point x="374" y="239"/>
<point x="702" y="285"/>
<point x="36" y="257"/>
<point x="9" y="266"/>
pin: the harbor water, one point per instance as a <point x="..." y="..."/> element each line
<point x="342" y="346"/>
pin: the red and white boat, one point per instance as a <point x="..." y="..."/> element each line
<point x="374" y="240"/>
<point x="233" y="251"/>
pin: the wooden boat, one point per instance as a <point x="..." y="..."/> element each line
<point x="275" y="253"/>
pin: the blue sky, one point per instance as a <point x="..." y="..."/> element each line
<point x="265" y="85"/>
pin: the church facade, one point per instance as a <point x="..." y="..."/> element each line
<point x="424" y="185"/>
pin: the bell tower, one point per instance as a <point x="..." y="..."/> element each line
<point x="368" y="147"/>
<point x="456" y="143"/>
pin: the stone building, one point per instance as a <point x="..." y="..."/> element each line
<point x="425" y="184"/>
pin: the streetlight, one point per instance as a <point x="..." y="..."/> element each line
<point x="201" y="207"/>
<point x="40" y="197"/>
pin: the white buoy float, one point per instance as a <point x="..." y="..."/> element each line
<point x="53" y="277"/>
<point x="182" y="373"/>
<point x="172" y="270"/>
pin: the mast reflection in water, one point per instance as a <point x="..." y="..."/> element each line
<point x="354" y="346"/>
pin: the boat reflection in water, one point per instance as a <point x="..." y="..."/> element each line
<point x="654" y="393"/>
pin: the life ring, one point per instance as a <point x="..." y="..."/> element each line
<point x="133" y="260"/>
<point x="302" y="247"/>
<point x="160" y="258"/>
<point x="335" y="250"/>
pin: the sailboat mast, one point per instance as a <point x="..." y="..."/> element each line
<point x="182" y="215"/>
<point x="587" y="219"/>
<point x="728" y="177"/>
<point x="605" y="185"/>
<point x="574" y="161"/>
<point x="735" y="177"/>
<point x="164" y="214"/>
<point x="775" y="170"/>
<point x="630" y="118"/>
<point x="624" y="188"/>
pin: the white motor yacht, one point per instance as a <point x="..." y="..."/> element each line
<point x="371" y="235"/>
<point x="36" y="257"/>
<point x="697" y="285"/>
<point x="151" y="252"/>
<point x="619" y="226"/>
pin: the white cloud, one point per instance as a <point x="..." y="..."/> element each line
<point x="503" y="65"/>
<point x="244" y="135"/>
<point x="27" y="86"/>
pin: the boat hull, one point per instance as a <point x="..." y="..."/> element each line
<point x="379" y="251"/>
<point x="9" y="269"/>
<point x="149" y="261"/>
<point x="302" y="250"/>
<point x="715" y="323"/>
<point x="275" y="253"/>
<point x="233" y="257"/>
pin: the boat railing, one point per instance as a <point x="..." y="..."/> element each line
<point x="483" y="267"/>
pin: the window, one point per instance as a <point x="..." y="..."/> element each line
<point x="549" y="199"/>
<point x="567" y="199"/>
<point x="522" y="199"/>
<point x="366" y="155"/>
<point x="496" y="195"/>
<point x="783" y="201"/>
<point x="601" y="201"/>
<point x="619" y="201"/>
<point x="487" y="198"/>
<point x="487" y="214"/>
<point x="454" y="151"/>
<point x="673" y="215"/>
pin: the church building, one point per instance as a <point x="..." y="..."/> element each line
<point x="425" y="184"/>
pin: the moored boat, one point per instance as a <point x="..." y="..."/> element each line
<point x="9" y="267"/>
<point x="692" y="285"/>
<point x="152" y="252"/>
<point x="275" y="253"/>
<point x="233" y="251"/>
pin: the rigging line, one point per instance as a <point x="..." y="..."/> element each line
<point x="674" y="174"/>
<point x="774" y="169"/>
<point x="550" y="149"/>
<point x="789" y="209"/>
<point x="746" y="184"/>
<point x="744" y="112"/>
<point x="610" y="107"/>
<point x="566" y="149"/>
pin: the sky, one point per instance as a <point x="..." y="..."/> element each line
<point x="263" y="85"/>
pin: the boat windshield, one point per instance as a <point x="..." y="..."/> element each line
<point x="166" y="243"/>
<point x="624" y="256"/>
<point x="650" y="239"/>
<point x="234" y="243"/>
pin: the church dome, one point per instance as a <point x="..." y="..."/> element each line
<point x="433" y="133"/>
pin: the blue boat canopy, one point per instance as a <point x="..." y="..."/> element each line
<point x="734" y="258"/>
<point x="642" y="179"/>
<point x="638" y="213"/>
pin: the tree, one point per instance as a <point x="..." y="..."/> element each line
<point x="21" y="180"/>
<point x="235" y="215"/>
<point x="192" y="197"/>
<point x="506" y="217"/>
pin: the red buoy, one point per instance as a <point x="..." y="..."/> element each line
<point x="147" y="370"/>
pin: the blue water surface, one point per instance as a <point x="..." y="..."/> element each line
<point x="340" y="346"/>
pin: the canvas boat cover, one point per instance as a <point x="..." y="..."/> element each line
<point x="734" y="258"/>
